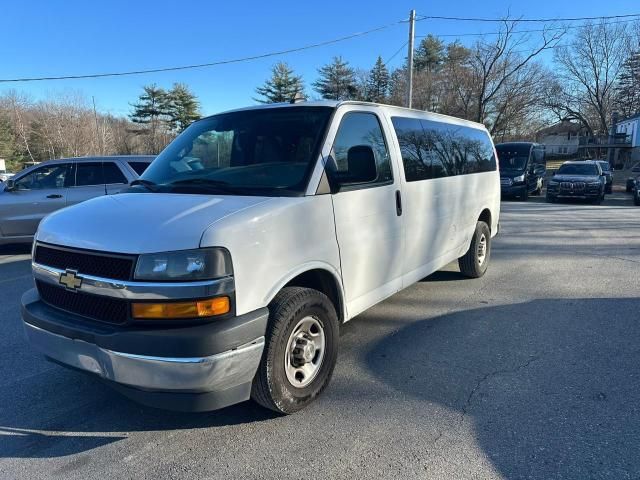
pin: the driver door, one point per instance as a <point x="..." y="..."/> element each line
<point x="36" y="195"/>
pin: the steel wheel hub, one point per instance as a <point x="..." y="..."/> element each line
<point x="305" y="352"/>
<point x="482" y="249"/>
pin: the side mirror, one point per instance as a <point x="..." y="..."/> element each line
<point x="10" y="185"/>
<point x="361" y="167"/>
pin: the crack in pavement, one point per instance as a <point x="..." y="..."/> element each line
<point x="465" y="407"/>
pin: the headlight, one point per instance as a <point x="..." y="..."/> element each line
<point x="594" y="184"/>
<point x="184" y="265"/>
<point x="519" y="178"/>
<point x="553" y="183"/>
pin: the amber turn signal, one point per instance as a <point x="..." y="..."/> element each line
<point x="170" y="310"/>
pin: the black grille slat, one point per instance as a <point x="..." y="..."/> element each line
<point x="87" y="263"/>
<point x="102" y="309"/>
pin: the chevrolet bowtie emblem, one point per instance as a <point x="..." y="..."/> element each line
<point x="70" y="280"/>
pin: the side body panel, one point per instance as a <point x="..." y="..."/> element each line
<point x="273" y="242"/>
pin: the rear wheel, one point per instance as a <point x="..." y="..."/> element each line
<point x="636" y="200"/>
<point x="300" y="350"/>
<point x="474" y="263"/>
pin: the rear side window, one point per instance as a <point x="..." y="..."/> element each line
<point x="436" y="149"/>
<point x="139" y="167"/>
<point x="362" y="129"/>
<point x="112" y="174"/>
<point x="89" y="174"/>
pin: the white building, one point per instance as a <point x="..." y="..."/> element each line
<point x="628" y="130"/>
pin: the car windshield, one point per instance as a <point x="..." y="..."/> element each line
<point x="252" y="152"/>
<point x="578" y="169"/>
<point x="513" y="157"/>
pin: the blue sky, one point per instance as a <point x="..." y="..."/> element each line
<point x="56" y="37"/>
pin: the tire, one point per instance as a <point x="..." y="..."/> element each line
<point x="596" y="201"/>
<point x="525" y="194"/>
<point x="271" y="386"/>
<point x="551" y="199"/>
<point x="609" y="189"/>
<point x="628" y="189"/>
<point x="636" y="200"/>
<point x="471" y="264"/>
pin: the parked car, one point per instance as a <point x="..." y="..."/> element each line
<point x="42" y="189"/>
<point x="577" y="179"/>
<point x="605" y="166"/>
<point x="522" y="169"/>
<point x="631" y="181"/>
<point x="217" y="280"/>
<point x="636" y="192"/>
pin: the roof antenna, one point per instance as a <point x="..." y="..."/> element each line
<point x="297" y="98"/>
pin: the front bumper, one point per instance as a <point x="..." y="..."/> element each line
<point x="191" y="368"/>
<point x="512" y="190"/>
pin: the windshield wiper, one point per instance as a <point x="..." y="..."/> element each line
<point x="148" y="184"/>
<point x="208" y="184"/>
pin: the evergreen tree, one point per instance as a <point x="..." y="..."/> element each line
<point x="182" y="107"/>
<point x="429" y="55"/>
<point x="151" y="106"/>
<point x="8" y="148"/>
<point x="628" y="87"/>
<point x="337" y="81"/>
<point x="378" y="83"/>
<point x="283" y="86"/>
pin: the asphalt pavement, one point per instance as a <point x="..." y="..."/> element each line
<point x="530" y="372"/>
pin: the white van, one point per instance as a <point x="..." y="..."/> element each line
<point x="225" y="272"/>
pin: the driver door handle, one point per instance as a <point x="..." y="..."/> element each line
<point x="54" y="195"/>
<point x="398" y="203"/>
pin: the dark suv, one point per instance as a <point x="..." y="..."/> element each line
<point x="608" y="175"/>
<point x="522" y="169"/>
<point x="578" y="179"/>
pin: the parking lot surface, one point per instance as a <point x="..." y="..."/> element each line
<point x="530" y="372"/>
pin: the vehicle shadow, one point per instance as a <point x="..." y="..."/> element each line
<point x="549" y="387"/>
<point x="86" y="414"/>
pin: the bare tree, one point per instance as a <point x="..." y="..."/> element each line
<point x="588" y="69"/>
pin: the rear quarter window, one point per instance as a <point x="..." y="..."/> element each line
<point x="139" y="167"/>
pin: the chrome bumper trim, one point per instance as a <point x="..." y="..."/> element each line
<point x="138" y="290"/>
<point x="194" y="374"/>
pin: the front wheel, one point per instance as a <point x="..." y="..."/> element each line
<point x="300" y="351"/>
<point x="474" y="263"/>
<point x="636" y="200"/>
<point x="525" y="194"/>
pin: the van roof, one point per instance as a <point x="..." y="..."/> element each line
<point x="339" y="103"/>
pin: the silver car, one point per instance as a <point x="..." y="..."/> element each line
<point x="42" y="189"/>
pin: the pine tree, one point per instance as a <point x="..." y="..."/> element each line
<point x="283" y="86"/>
<point x="429" y="54"/>
<point x="7" y="140"/>
<point x="151" y="105"/>
<point x="337" y="81"/>
<point x="182" y="107"/>
<point x="378" y="83"/>
<point x="628" y="88"/>
<point x="152" y="111"/>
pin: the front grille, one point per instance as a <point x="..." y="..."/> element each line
<point x="575" y="186"/>
<point x="116" y="267"/>
<point x="102" y="309"/>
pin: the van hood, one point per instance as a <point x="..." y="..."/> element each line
<point x="140" y="222"/>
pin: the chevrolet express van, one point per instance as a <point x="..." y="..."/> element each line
<point x="225" y="271"/>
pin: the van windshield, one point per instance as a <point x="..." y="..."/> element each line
<point x="252" y="152"/>
<point x="513" y="157"/>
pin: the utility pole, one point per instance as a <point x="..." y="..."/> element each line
<point x="95" y="116"/>
<point x="412" y="24"/>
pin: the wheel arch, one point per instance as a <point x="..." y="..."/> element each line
<point x="320" y="277"/>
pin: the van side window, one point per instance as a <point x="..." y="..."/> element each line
<point x="435" y="149"/>
<point x="358" y="130"/>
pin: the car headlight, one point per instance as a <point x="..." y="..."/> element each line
<point x="553" y="183"/>
<point x="594" y="184"/>
<point x="519" y="178"/>
<point x="184" y="265"/>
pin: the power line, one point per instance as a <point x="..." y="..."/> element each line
<point x="396" y="54"/>
<point x="521" y="31"/>
<point x="204" y="65"/>
<point x="516" y="20"/>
